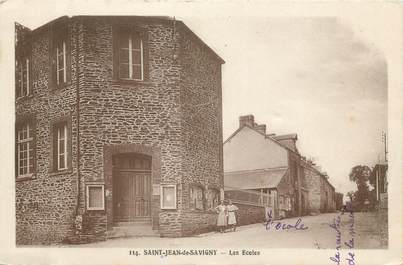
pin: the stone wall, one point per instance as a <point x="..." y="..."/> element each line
<point x="318" y="186"/>
<point x="196" y="222"/>
<point x="146" y="113"/>
<point x="250" y="214"/>
<point x="202" y="161"/>
<point x="175" y="112"/>
<point x="45" y="204"/>
<point x="285" y="188"/>
<point x="314" y="190"/>
<point x="328" y="202"/>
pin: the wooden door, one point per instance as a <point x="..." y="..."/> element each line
<point x="131" y="188"/>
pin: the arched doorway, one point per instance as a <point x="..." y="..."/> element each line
<point x="131" y="187"/>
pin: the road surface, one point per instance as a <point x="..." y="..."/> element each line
<point x="364" y="228"/>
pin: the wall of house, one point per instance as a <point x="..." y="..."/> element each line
<point x="249" y="150"/>
<point x="45" y="205"/>
<point x="328" y="202"/>
<point x="286" y="189"/>
<point x="314" y="190"/>
<point x="201" y="115"/>
<point x="317" y="187"/>
<point x="157" y="116"/>
<point x="339" y="200"/>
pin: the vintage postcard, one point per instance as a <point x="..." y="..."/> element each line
<point x="190" y="132"/>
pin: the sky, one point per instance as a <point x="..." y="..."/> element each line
<point x="312" y="76"/>
<point x="318" y="77"/>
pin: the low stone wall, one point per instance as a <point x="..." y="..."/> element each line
<point x="198" y="222"/>
<point x="250" y="214"/>
<point x="195" y="222"/>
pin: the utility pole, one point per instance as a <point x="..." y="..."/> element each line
<point x="384" y="140"/>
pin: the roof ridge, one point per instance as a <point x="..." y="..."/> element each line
<point x="258" y="170"/>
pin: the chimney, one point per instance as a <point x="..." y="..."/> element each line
<point x="261" y="128"/>
<point x="246" y="120"/>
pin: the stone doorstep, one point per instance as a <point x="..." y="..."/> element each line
<point x="136" y="223"/>
<point x="134" y="230"/>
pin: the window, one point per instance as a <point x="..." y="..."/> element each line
<point x="60" y="54"/>
<point x="61" y="63"/>
<point x="168" y="196"/>
<point x="22" y="77"/>
<point x="281" y="202"/>
<point x="129" y="46"/>
<point x="25" y="149"/>
<point x="23" y="49"/>
<point x="61" y="146"/>
<point x="95" y="197"/>
<point x="196" y="197"/>
<point x="213" y="196"/>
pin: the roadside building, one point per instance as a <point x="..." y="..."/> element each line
<point x="379" y="177"/>
<point x="267" y="164"/>
<point x="322" y="195"/>
<point x="118" y="129"/>
<point x="339" y="200"/>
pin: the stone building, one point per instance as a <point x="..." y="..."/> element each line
<point x="379" y="178"/>
<point x="118" y="129"/>
<point x="339" y="200"/>
<point x="322" y="194"/>
<point x="266" y="163"/>
<point x="271" y="164"/>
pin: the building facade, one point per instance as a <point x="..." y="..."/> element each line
<point x="254" y="160"/>
<point x="271" y="164"/>
<point x="118" y="124"/>
<point x="379" y="179"/>
<point x="339" y="200"/>
<point x="322" y="194"/>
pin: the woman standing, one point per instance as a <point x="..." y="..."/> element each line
<point x="231" y="215"/>
<point x="222" y="216"/>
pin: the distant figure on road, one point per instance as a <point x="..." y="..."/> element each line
<point x="231" y="215"/>
<point x="222" y="216"/>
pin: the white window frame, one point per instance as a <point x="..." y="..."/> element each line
<point x="65" y="146"/>
<point x="28" y="140"/>
<point x="20" y="70"/>
<point x="131" y="59"/>
<point x="162" y="196"/>
<point x="88" y="186"/>
<point x="63" y="52"/>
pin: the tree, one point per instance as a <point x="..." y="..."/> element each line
<point x="360" y="175"/>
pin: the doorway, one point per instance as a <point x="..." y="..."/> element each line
<point x="131" y="187"/>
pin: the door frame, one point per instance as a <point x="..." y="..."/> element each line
<point x="155" y="153"/>
<point x="133" y="172"/>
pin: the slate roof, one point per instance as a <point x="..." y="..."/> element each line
<point x="254" y="179"/>
<point x="285" y="136"/>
